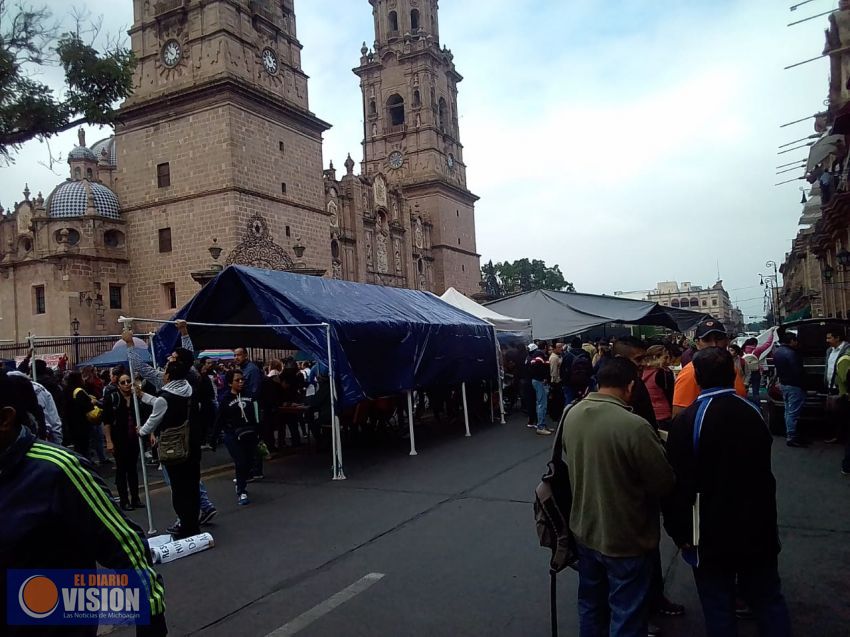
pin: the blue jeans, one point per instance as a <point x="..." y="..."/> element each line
<point x="755" y="388"/>
<point x="759" y="587"/>
<point x="206" y="503"/>
<point x="541" y="395"/>
<point x="613" y="594"/>
<point x="569" y="395"/>
<point x="794" y="398"/>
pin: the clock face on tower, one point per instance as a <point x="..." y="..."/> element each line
<point x="270" y="61"/>
<point x="171" y="53"/>
<point x="396" y="159"/>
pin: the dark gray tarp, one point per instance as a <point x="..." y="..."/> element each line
<point x="559" y="314"/>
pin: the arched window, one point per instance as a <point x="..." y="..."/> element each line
<point x="393" y="22"/>
<point x="420" y="266"/>
<point x="89" y="174"/>
<point x="685" y="303"/>
<point x="414" y="20"/>
<point x="443" y="114"/>
<point x="373" y="109"/>
<point x="78" y="174"/>
<point x="674" y="303"/>
<point x="395" y="109"/>
<point x="694" y="302"/>
<point x="433" y="25"/>
<point x="417" y="99"/>
<point x="113" y="239"/>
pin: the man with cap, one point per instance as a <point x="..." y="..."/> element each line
<point x="791" y="374"/>
<point x="537" y="364"/>
<point x="709" y="333"/>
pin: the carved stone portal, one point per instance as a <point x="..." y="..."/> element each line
<point x="258" y="250"/>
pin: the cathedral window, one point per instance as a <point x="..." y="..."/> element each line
<point x="442" y="114"/>
<point x="169" y="295"/>
<point x="414" y="20"/>
<point x="393" y="23"/>
<point x="283" y="187"/>
<point x="281" y="146"/>
<point x="39" y="303"/>
<point x="163" y="175"/>
<point x="115" y="293"/>
<point x="373" y="109"/>
<point x="395" y="109"/>
<point x="288" y="232"/>
<point x="113" y="239"/>
<point x="89" y="174"/>
<point x="165" y="239"/>
<point x="78" y="174"/>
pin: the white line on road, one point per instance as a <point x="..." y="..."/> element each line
<point x="320" y="610"/>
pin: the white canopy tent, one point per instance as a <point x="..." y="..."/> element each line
<point x="501" y="322"/>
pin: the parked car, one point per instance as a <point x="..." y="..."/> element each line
<point x="811" y="334"/>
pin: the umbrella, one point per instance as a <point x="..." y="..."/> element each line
<point x="137" y="343"/>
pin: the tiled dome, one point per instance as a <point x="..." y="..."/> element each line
<point x="81" y="152"/>
<point x="71" y="200"/>
<point x="109" y="145"/>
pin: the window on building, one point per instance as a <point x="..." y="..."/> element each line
<point x="414" y="20"/>
<point x="704" y="303"/>
<point x="433" y="24"/>
<point x="373" y="109"/>
<point x="393" y="22"/>
<point x="283" y="187"/>
<point x="39" y="303"/>
<point x="163" y="175"/>
<point x="463" y="268"/>
<point x="113" y="239"/>
<point x="78" y="174"/>
<point x="165" y="239"/>
<point x="458" y="240"/>
<point x="282" y="147"/>
<point x="395" y="109"/>
<point x="115" y="296"/>
<point x="288" y="233"/>
<point x="89" y="174"/>
<point x="443" y="114"/>
<point x="714" y="302"/>
<point x="674" y="303"/>
<point x="169" y="295"/>
<point x="694" y="302"/>
<point x="417" y="99"/>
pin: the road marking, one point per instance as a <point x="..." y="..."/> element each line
<point x="320" y="610"/>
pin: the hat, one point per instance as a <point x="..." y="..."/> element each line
<point x="711" y="326"/>
<point x="532" y="347"/>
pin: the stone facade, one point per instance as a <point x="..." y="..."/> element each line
<point x="217" y="145"/>
<point x="714" y="301"/>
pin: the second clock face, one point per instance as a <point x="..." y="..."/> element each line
<point x="270" y="61"/>
<point x="396" y="159"/>
<point x="171" y="53"/>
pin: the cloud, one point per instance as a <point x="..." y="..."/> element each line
<point x="630" y="142"/>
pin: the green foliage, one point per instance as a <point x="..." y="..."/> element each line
<point x="95" y="81"/>
<point x="503" y="279"/>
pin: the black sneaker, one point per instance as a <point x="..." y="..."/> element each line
<point x="206" y="516"/>
<point x="174" y="529"/>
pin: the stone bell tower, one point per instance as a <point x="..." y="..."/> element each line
<point x="217" y="142"/>
<point x="411" y="132"/>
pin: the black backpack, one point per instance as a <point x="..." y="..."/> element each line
<point x="580" y="371"/>
<point x="553" y="500"/>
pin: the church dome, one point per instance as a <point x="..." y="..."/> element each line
<point x="107" y="144"/>
<point x="81" y="152"/>
<point x="70" y="199"/>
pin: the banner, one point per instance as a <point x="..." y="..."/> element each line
<point x="164" y="549"/>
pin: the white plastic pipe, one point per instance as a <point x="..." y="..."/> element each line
<point x="499" y="375"/>
<point x="465" y="410"/>
<point x="336" y="437"/>
<point x="410" y="422"/>
<point x="33" y="373"/>
<point x="151" y="529"/>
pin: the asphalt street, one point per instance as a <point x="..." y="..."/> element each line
<point x="444" y="544"/>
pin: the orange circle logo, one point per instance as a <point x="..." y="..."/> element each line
<point x="38" y="596"/>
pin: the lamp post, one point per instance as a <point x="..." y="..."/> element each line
<point x="775" y="302"/>
<point x="75" y="328"/>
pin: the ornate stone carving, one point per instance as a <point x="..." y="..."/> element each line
<point x="258" y="250"/>
<point x="380" y="191"/>
<point x="381" y="253"/>
<point x="369" y="260"/>
<point x="337" y="269"/>
<point x="418" y="235"/>
<point x="397" y="255"/>
<point x="333" y="209"/>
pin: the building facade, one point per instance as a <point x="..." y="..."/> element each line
<point x="816" y="271"/>
<point x="218" y="157"/>
<point x="714" y="301"/>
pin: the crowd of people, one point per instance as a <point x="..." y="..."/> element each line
<point x="644" y="446"/>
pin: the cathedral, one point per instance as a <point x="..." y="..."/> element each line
<point x="217" y="160"/>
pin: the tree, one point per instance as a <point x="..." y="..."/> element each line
<point x="506" y="278"/>
<point x="95" y="82"/>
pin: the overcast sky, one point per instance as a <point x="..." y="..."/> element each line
<point x="630" y="142"/>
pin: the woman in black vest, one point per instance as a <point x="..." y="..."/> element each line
<point x="120" y="416"/>
<point x="171" y="410"/>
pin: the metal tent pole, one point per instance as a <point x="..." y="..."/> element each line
<point x="465" y="409"/>
<point x="499" y="375"/>
<point x="410" y="422"/>
<point x="151" y="529"/>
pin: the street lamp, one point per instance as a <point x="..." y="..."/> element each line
<point x="75" y="328"/>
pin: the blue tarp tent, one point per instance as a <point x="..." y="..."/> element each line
<point x="117" y="356"/>
<point x="384" y="340"/>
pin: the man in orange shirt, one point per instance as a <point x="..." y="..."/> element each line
<point x="710" y="333"/>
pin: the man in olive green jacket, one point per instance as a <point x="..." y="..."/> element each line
<point x="619" y="472"/>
